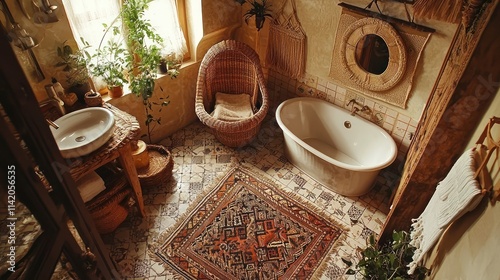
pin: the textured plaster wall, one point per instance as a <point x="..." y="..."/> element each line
<point x="320" y="18"/>
<point x="219" y="14"/>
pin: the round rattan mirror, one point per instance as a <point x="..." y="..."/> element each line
<point x="353" y="46"/>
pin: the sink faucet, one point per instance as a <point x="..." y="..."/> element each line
<point x="51" y="123"/>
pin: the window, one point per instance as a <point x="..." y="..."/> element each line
<point x="86" y="18"/>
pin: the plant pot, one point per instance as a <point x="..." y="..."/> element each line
<point x="140" y="155"/>
<point x="163" y="68"/>
<point x="259" y="22"/>
<point x="93" y="99"/>
<point x="115" y="91"/>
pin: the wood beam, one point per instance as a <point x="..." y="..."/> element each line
<point x="469" y="80"/>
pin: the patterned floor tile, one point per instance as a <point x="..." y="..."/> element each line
<point x="199" y="160"/>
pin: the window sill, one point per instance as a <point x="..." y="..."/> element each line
<point x="126" y="90"/>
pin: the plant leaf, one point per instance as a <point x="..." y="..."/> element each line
<point x="348" y="262"/>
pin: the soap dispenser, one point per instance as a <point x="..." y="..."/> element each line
<point x="51" y="92"/>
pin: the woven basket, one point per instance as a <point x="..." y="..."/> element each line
<point x="160" y="167"/>
<point x="109" y="222"/>
<point x="106" y="209"/>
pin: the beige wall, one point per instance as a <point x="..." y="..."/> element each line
<point x="469" y="248"/>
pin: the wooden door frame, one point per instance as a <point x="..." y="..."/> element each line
<point x="467" y="83"/>
<point x="52" y="211"/>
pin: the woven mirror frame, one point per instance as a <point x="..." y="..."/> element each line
<point x="397" y="54"/>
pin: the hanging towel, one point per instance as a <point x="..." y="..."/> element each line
<point x="90" y="185"/>
<point x="458" y="193"/>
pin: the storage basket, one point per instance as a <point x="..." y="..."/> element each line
<point x="106" y="209"/>
<point x="160" y="167"/>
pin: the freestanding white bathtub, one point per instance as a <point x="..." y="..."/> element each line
<point x="343" y="152"/>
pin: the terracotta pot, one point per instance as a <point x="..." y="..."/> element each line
<point x="115" y="91"/>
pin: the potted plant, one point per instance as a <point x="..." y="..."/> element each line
<point x="388" y="261"/>
<point x="260" y="10"/>
<point x="75" y="64"/>
<point x="110" y="66"/>
<point x="169" y="63"/>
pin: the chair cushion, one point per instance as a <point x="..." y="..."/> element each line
<point x="232" y="107"/>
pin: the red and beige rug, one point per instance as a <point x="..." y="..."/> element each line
<point x="248" y="228"/>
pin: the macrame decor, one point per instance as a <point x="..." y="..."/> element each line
<point x="287" y="43"/>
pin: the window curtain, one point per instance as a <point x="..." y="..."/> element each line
<point x="86" y="18"/>
<point x="162" y="14"/>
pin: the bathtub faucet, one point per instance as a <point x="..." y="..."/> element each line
<point x="354" y="110"/>
<point x="353" y="102"/>
<point x="366" y="109"/>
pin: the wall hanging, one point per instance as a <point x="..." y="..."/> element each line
<point x="377" y="55"/>
<point x="287" y="43"/>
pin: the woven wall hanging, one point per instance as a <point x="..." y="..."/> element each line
<point x="287" y="43"/>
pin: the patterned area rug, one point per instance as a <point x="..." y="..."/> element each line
<point x="248" y="228"/>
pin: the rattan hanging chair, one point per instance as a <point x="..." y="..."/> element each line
<point x="231" y="67"/>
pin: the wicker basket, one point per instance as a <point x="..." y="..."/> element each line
<point x="106" y="208"/>
<point x="160" y="167"/>
<point x="109" y="221"/>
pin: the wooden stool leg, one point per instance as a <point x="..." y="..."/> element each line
<point x="127" y="162"/>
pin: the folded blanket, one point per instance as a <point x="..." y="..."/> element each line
<point x="458" y="193"/>
<point x="90" y="185"/>
<point x="232" y="107"/>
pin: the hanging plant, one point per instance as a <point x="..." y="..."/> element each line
<point x="260" y="10"/>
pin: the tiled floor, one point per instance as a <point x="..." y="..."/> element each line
<point x="199" y="159"/>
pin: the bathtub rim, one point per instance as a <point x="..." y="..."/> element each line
<point x="363" y="168"/>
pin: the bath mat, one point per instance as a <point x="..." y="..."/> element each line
<point x="246" y="227"/>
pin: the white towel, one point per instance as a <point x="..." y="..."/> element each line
<point x="455" y="195"/>
<point x="232" y="107"/>
<point x="90" y="185"/>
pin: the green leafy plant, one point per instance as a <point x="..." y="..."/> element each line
<point x="260" y="10"/>
<point x="388" y="261"/>
<point x="110" y="59"/>
<point x="75" y="63"/>
<point x="143" y="58"/>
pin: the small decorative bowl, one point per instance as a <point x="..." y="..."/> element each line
<point x="93" y="99"/>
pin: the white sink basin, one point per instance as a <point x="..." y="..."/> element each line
<point x="83" y="131"/>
